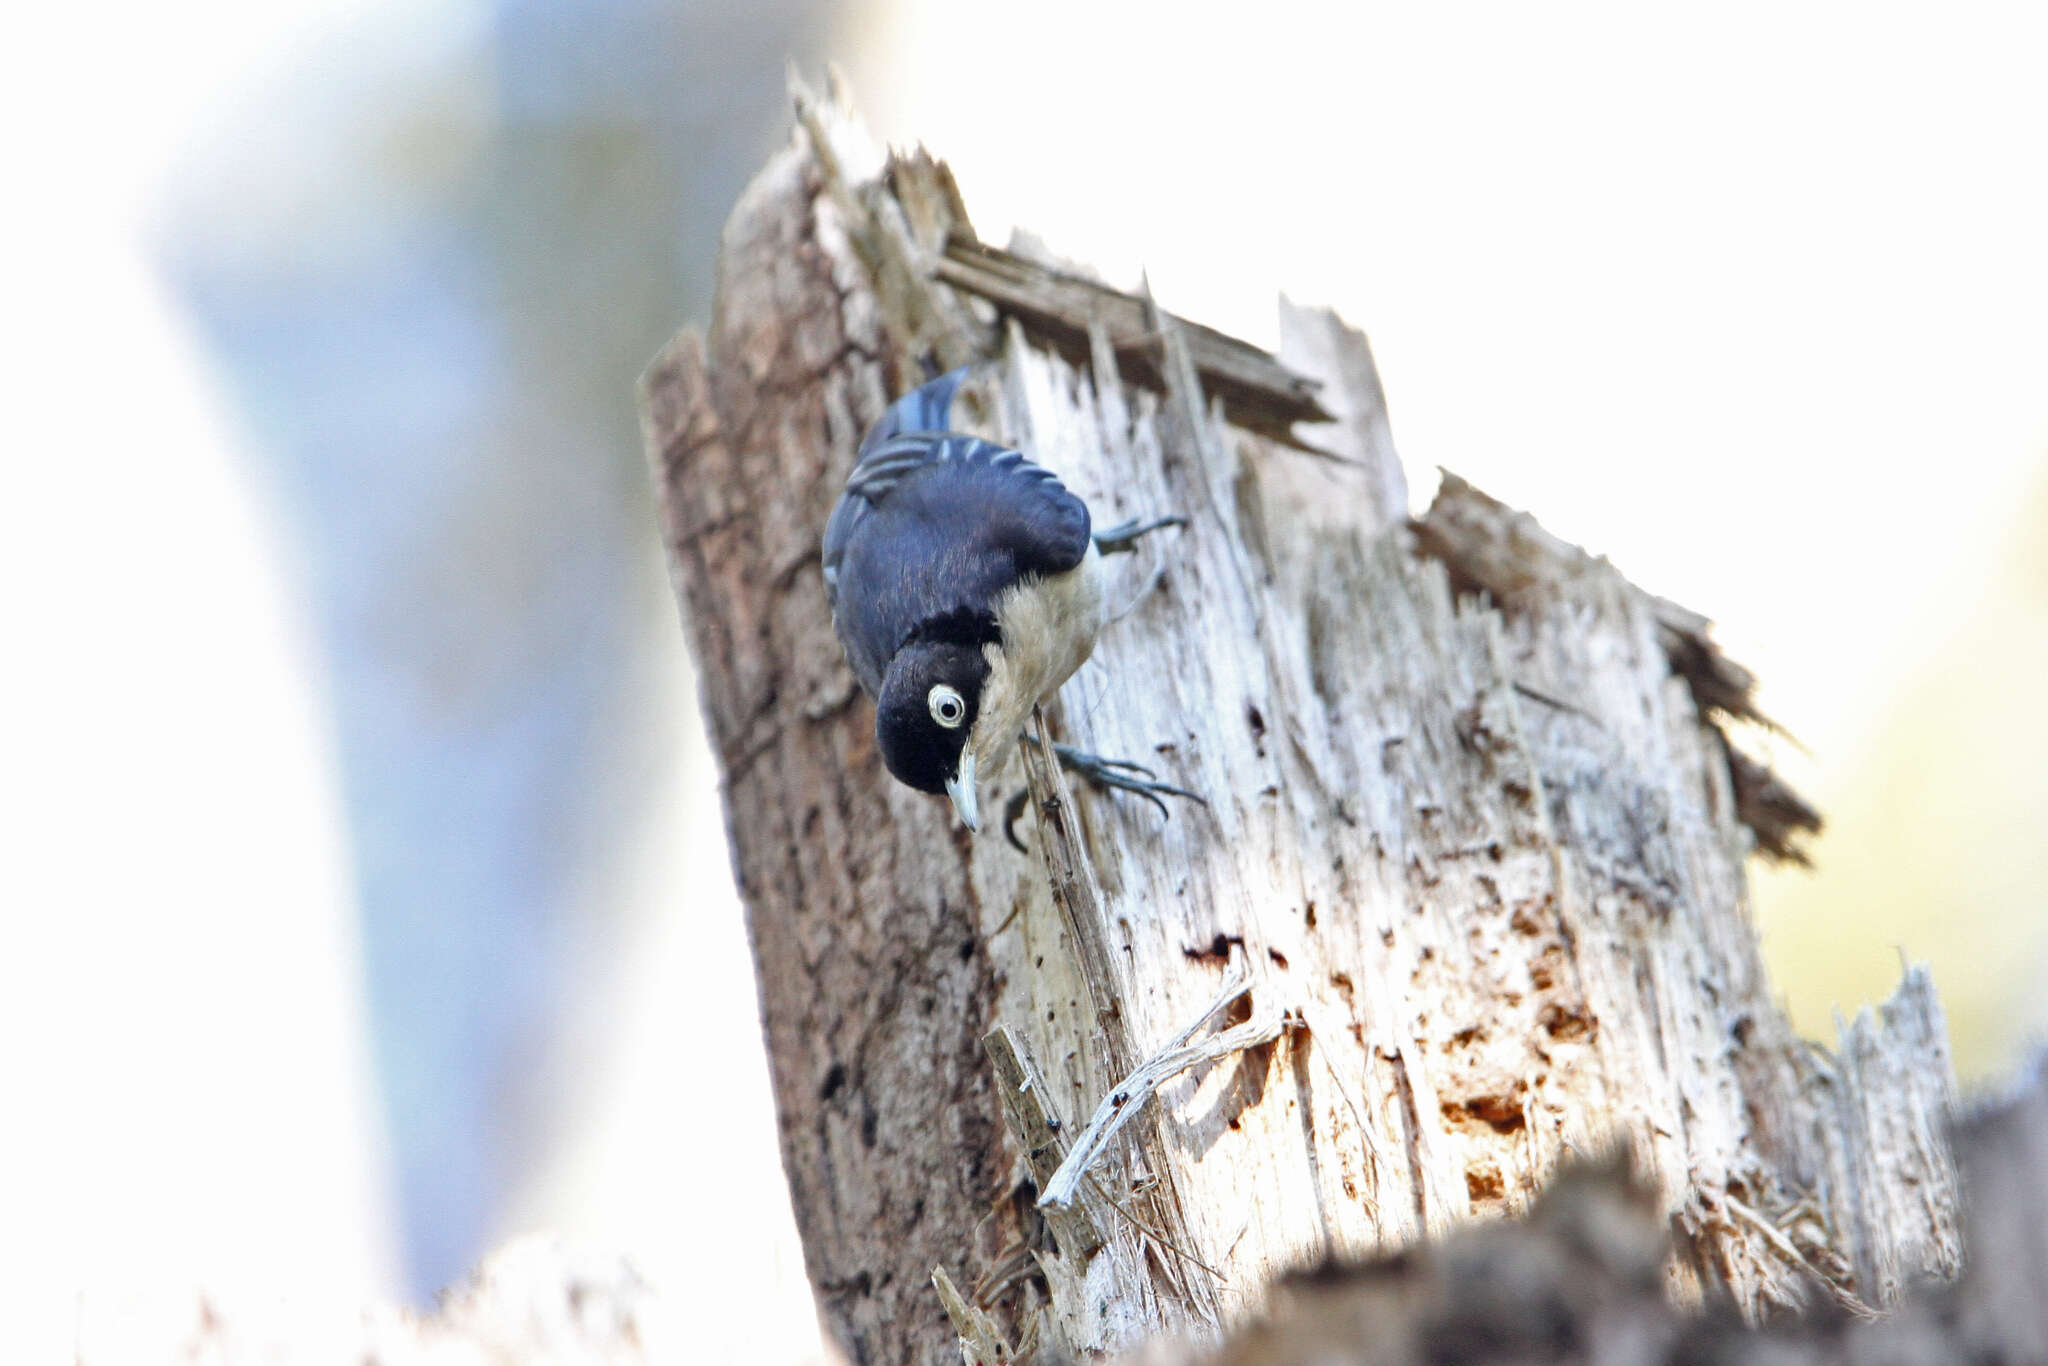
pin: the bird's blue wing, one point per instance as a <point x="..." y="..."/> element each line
<point x="931" y="529"/>
<point x="965" y="493"/>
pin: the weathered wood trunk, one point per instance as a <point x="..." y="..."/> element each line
<point x="1474" y="843"/>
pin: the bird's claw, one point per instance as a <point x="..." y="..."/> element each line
<point x="1090" y="765"/>
<point x="1124" y="536"/>
<point x="1115" y="775"/>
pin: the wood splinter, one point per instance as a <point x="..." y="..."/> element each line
<point x="982" y="1341"/>
<point x="1128" y="1097"/>
<point x="1037" y="1132"/>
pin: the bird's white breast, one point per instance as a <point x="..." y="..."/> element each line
<point x="1048" y="627"/>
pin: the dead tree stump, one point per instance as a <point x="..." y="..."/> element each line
<point x="1468" y="895"/>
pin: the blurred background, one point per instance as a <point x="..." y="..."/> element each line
<point x="365" y="876"/>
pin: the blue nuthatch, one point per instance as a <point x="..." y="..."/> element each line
<point x="965" y="585"/>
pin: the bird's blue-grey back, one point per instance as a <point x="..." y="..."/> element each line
<point x="933" y="527"/>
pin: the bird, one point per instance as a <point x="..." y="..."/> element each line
<point x="965" y="585"/>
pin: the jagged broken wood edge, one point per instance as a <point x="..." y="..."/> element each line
<point x="1491" y="548"/>
<point x="907" y="208"/>
<point x="1066" y="310"/>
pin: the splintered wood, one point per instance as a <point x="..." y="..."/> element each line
<point x="1473" y="837"/>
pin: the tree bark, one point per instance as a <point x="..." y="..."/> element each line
<point x="1467" y="895"/>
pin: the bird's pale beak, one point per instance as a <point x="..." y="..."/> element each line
<point x="960" y="787"/>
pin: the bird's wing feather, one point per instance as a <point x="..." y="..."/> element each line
<point x="927" y="408"/>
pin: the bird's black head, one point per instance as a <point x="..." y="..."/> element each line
<point x="930" y="698"/>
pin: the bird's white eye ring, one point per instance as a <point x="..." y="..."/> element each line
<point x="947" y="708"/>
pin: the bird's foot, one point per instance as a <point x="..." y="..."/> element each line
<point x="1124" y="536"/>
<point x="1114" y="775"/>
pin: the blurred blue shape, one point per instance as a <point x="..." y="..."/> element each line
<point x="438" y="372"/>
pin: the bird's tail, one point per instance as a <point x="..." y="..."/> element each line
<point x="926" y="408"/>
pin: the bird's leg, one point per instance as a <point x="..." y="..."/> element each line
<point x="1115" y="775"/>
<point x="1012" y="809"/>
<point x="1124" y="535"/>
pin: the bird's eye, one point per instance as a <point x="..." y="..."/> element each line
<point x="947" y="708"/>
